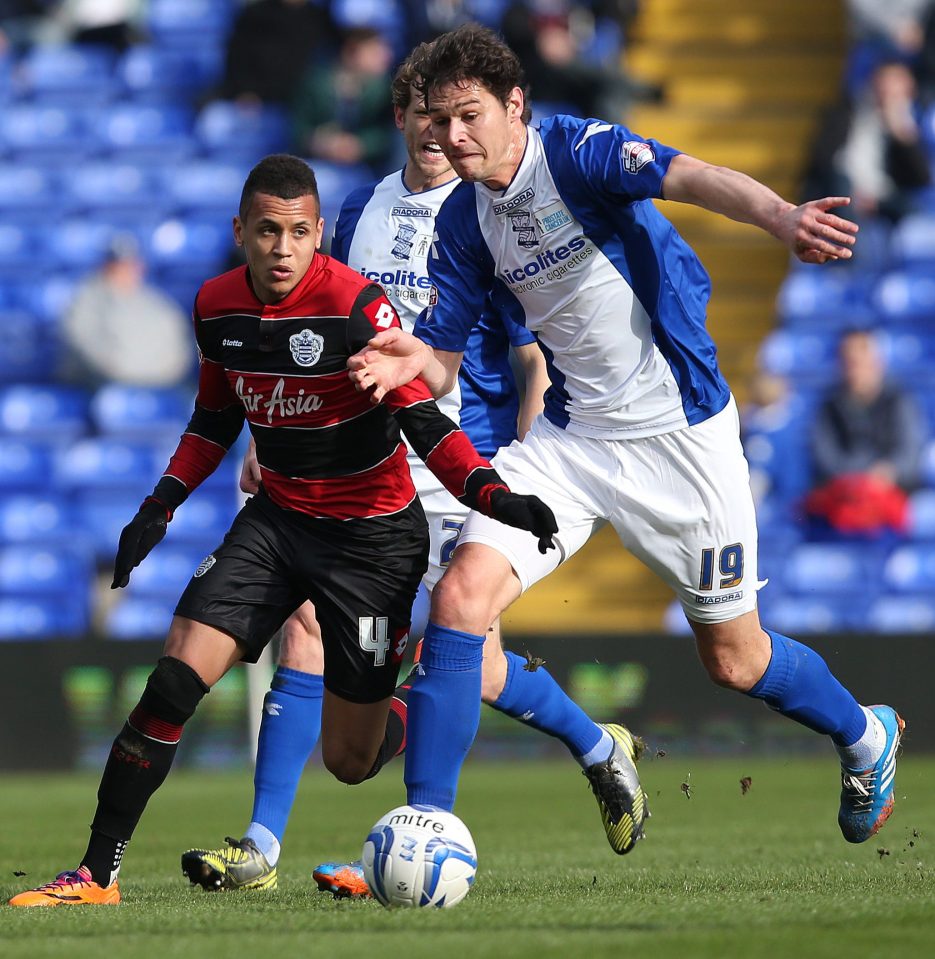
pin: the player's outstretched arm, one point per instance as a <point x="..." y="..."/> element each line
<point x="394" y="358"/>
<point x="811" y="231"/>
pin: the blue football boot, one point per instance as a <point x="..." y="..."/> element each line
<point x="344" y="880"/>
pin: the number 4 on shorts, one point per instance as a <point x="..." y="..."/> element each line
<point x="374" y="637"/>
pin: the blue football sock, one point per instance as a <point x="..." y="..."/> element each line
<point x="798" y="684"/>
<point x="444" y="712"/>
<point x="288" y="733"/>
<point x="534" y="697"/>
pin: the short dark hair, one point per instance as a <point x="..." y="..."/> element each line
<point x="471" y="52"/>
<point x="406" y="76"/>
<point x="282" y="175"/>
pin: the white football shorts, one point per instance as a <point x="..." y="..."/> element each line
<point x="680" y="502"/>
<point x="445" y="516"/>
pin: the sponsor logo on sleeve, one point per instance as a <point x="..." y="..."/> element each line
<point x="635" y="154"/>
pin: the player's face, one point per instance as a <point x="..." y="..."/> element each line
<point x="425" y="157"/>
<point x="280" y="238"/>
<point x="482" y="137"/>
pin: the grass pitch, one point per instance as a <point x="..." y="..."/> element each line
<point x="721" y="874"/>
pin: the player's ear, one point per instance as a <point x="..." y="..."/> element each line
<point x="238" y="231"/>
<point x="515" y="103"/>
<point x="320" y="232"/>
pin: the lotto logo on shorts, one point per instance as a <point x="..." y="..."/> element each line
<point x="205" y="565"/>
<point x="717" y="600"/>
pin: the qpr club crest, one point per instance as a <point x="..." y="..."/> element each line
<point x="306" y="347"/>
<point x="524" y="225"/>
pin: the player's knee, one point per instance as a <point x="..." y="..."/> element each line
<point x="725" y="668"/>
<point x="173" y="691"/>
<point x="301" y="647"/>
<point x="347" y="765"/>
<point x="460" y="601"/>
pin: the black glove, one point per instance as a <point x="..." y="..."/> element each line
<point x="139" y="536"/>
<point x="525" y="512"/>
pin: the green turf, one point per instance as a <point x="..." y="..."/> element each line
<point x="722" y="874"/>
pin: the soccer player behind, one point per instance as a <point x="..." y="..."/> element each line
<point x="337" y="520"/>
<point x="384" y="232"/>
<point x="557" y="226"/>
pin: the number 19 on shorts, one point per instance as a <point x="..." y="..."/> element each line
<point x="729" y="565"/>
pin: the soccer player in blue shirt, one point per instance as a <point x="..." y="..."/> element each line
<point x="384" y="231"/>
<point x="557" y="227"/>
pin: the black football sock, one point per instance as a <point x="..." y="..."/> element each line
<point x="394" y="739"/>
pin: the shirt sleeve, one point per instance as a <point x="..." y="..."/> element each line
<point x="616" y="161"/>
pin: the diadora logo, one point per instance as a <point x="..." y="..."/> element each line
<point x="410" y="211"/>
<point x="278" y="403"/>
<point x="717" y="600"/>
<point x="306" y="347"/>
<point x="506" y="205"/>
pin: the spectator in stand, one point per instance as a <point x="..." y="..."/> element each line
<point x="541" y="32"/>
<point x="341" y="110"/>
<point x="871" y="148"/>
<point x="271" y="45"/>
<point x="111" y="23"/>
<point x="866" y="443"/>
<point x="119" y="329"/>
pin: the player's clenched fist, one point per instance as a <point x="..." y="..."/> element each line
<point x="525" y="512"/>
<point x="139" y="536"/>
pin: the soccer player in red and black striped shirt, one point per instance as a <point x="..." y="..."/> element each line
<point x="336" y="521"/>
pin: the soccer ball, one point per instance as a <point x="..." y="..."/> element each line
<point x="419" y="856"/>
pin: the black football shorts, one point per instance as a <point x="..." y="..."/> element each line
<point x="362" y="576"/>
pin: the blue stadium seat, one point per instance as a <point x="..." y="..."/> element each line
<point x="909" y="356"/>
<point x="205" y="517"/>
<point x="335" y="181"/>
<point x="100" y="515"/>
<point x="807" y="358"/>
<point x="34" y="519"/>
<point x="165" y="573"/>
<point x="922" y="511"/>
<point x="137" y="619"/>
<point x="154" y="74"/>
<point x="901" y="614"/>
<point x="832" y="569"/>
<point x="55" y="617"/>
<point x="911" y="569"/>
<point x="18" y="245"/>
<point x="29" y="350"/>
<point x="137" y="132"/>
<point x="44" y="129"/>
<point x="803" y="615"/>
<point x="386" y="16"/>
<point x="105" y="463"/>
<point x="206" y="185"/>
<point x="25" y="190"/>
<point x="67" y="72"/>
<point x="233" y="131"/>
<point x="190" y="246"/>
<point x="46" y="299"/>
<point x="928" y="464"/>
<point x="37" y="570"/>
<point x="674" y="621"/>
<point x="139" y="412"/>
<point x="107" y="186"/>
<point x="44" y="411"/>
<point x="80" y="243"/>
<point x="913" y="240"/>
<point x="830" y="297"/>
<point x="906" y="297"/>
<point x="174" y="22"/>
<point x="25" y="464"/>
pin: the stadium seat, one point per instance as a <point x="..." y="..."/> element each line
<point x="204" y="518"/>
<point x="37" y="570"/>
<point x="190" y="246"/>
<point x="833" y="298"/>
<point x="928" y="463"/>
<point x="107" y="186"/>
<point x="922" y="514"/>
<point x="56" y="617"/>
<point x="154" y="74"/>
<point x="911" y="569"/>
<point x="138" y="619"/>
<point x="25" y="464"/>
<point x="807" y="358"/>
<point x="177" y="22"/>
<point x="18" y="245"/>
<point x="137" y="132"/>
<point x="80" y="243"/>
<point x="909" y="356"/>
<point x="44" y="129"/>
<point x="165" y="573"/>
<point x="138" y="412"/>
<point x="232" y="131"/>
<point x="906" y="297"/>
<point x="335" y="181"/>
<point x="25" y="190"/>
<point x="206" y="185"/>
<point x="832" y="569"/>
<point x="98" y="463"/>
<point x="44" y="411"/>
<point x="901" y="614"/>
<point x="29" y="351"/>
<point x="35" y="519"/>
<point x="46" y="299"/>
<point x="813" y="614"/>
<point x="100" y="515"/>
<point x="69" y="69"/>
<point x="913" y="240"/>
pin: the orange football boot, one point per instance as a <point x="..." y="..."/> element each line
<point x="70" y="889"/>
